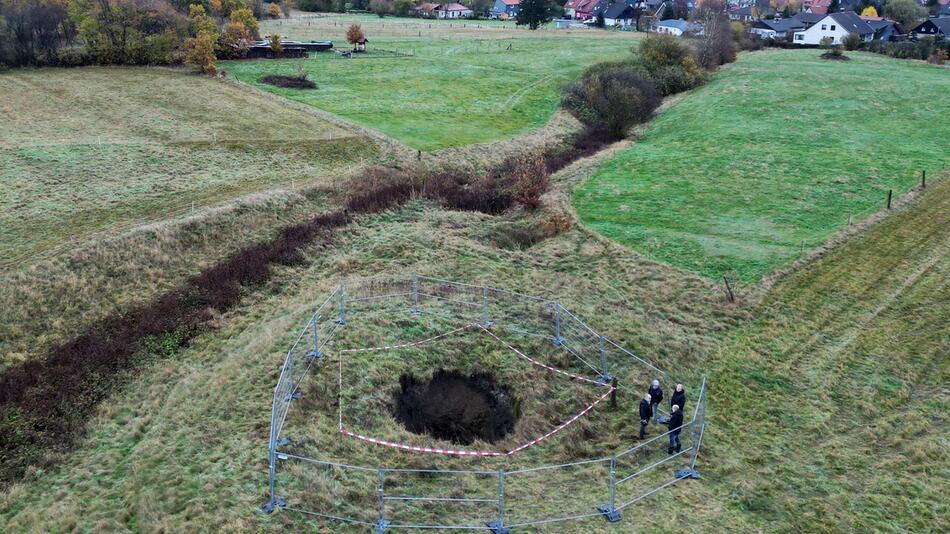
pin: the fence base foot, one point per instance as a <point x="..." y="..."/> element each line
<point x="415" y="312"/>
<point x="497" y="527"/>
<point x="273" y="505"/>
<point x="558" y="341"/>
<point x="283" y="442"/>
<point x="381" y="526"/>
<point x="686" y="472"/>
<point x="341" y="321"/>
<point x="605" y="379"/>
<point x="314" y="355"/>
<point x="611" y="514"/>
<point x="486" y="324"/>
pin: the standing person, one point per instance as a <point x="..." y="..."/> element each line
<point x="676" y="421"/>
<point x="679" y="398"/>
<point x="646" y="412"/>
<point x="656" y="397"/>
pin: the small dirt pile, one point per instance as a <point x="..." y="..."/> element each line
<point x="455" y="407"/>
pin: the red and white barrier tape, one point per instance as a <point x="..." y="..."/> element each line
<point x="563" y="425"/>
<point x="460" y="452"/>
<point x="539" y="364"/>
<point x="413" y="448"/>
<point x="410" y="344"/>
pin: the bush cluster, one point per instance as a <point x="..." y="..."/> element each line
<point x="922" y="48"/>
<point x="612" y="97"/>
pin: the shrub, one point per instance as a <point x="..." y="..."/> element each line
<point x="825" y="42"/>
<point x="354" y="33"/>
<point x="199" y="53"/>
<point x="531" y="181"/>
<point x="273" y="11"/>
<point x="275" y="45"/>
<point x="939" y="57"/>
<point x="612" y="100"/>
<point x="669" y="63"/>
<point x="851" y="41"/>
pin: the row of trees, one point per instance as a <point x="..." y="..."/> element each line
<point x="133" y="32"/>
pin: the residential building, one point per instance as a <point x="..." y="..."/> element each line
<point x="505" y="9"/>
<point x="623" y="14"/>
<point x="934" y="27"/>
<point x="776" y="28"/>
<point x="677" y="27"/>
<point x="836" y="26"/>
<point x="452" y="11"/>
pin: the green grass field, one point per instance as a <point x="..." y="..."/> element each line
<point x="456" y="90"/>
<point x="780" y="149"/>
<point x="104" y="149"/>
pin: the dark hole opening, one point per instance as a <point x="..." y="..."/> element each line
<point x="456" y="407"/>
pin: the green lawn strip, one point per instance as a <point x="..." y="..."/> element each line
<point x="829" y="410"/>
<point x="780" y="149"/>
<point x="451" y="93"/>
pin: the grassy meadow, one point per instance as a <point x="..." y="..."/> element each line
<point x="780" y="150"/>
<point x="459" y="88"/>
<point x="104" y="149"/>
<point x="828" y="403"/>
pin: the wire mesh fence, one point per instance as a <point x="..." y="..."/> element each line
<point x="542" y="333"/>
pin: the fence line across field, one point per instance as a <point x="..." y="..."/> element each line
<point x="601" y="486"/>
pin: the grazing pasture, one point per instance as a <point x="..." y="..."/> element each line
<point x="103" y="149"/>
<point x="454" y="90"/>
<point x="780" y="150"/>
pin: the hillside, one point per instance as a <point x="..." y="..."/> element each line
<point x="777" y="152"/>
<point x="93" y="149"/>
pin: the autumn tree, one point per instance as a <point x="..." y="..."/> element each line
<point x="246" y="17"/>
<point x="869" y="11"/>
<point x="235" y="41"/>
<point x="354" y="34"/>
<point x="716" y="46"/>
<point x="273" y="11"/>
<point x="534" y="13"/>
<point x="199" y="53"/>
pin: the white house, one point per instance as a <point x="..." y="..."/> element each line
<point x="836" y="26"/>
<point x="677" y="27"/>
<point x="452" y="11"/>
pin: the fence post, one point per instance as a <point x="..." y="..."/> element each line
<point x="486" y="322"/>
<point x="274" y="502"/>
<point x="315" y="353"/>
<point x="558" y="340"/>
<point x="609" y="510"/>
<point x="342" y="319"/>
<point x="498" y="526"/>
<point x="381" y="522"/>
<point x="415" y="294"/>
<point x="605" y="377"/>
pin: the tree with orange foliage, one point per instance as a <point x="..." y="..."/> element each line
<point x="199" y="53"/>
<point x="869" y="12"/>
<point x="354" y="34"/>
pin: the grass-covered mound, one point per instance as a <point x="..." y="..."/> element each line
<point x="777" y="152"/>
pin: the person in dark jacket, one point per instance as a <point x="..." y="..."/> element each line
<point x="679" y="398"/>
<point x="646" y="412"/>
<point x="675" y="424"/>
<point x="656" y="397"/>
